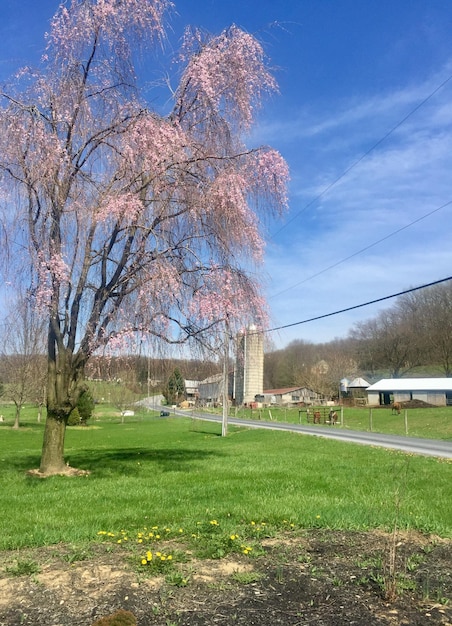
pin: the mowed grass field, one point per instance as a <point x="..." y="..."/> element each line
<point x="179" y="472"/>
<point x="428" y="422"/>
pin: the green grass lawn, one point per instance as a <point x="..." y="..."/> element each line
<point x="179" y="472"/>
<point x="433" y="423"/>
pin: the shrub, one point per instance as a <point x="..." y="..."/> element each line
<point x="74" y="417"/>
<point x="83" y="411"/>
<point x="85" y="406"/>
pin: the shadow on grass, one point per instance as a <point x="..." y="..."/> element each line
<point x="121" y="461"/>
<point x="133" y="460"/>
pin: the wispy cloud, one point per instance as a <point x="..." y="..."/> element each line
<point x="403" y="179"/>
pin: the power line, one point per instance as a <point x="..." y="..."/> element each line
<point x="363" y="156"/>
<point x="371" y="245"/>
<point x="358" y="306"/>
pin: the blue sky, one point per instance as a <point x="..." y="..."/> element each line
<point x="353" y="77"/>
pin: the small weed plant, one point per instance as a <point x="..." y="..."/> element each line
<point x="177" y="579"/>
<point x="23" y="568"/>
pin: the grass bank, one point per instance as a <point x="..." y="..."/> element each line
<point x="180" y="473"/>
<point x="428" y="422"/>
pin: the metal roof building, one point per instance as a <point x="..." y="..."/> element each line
<point x="358" y="383"/>
<point x="291" y="395"/>
<point x="436" y="391"/>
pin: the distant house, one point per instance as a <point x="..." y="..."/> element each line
<point x="191" y="390"/>
<point x="437" y="391"/>
<point x="291" y="395"/>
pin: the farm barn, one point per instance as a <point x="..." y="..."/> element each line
<point x="292" y="395"/>
<point x="436" y="391"/>
<point x="210" y="390"/>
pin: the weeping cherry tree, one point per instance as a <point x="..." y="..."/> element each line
<point x="133" y="222"/>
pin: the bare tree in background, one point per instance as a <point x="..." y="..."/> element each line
<point x="23" y="355"/>
<point x="431" y="312"/>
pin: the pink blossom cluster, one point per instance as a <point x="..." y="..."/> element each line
<point x="228" y="295"/>
<point x="156" y="146"/>
<point x="227" y="71"/>
<point x="270" y="174"/>
<point x="73" y="27"/>
<point x="121" y="207"/>
<point x="226" y="202"/>
<point x="160" y="283"/>
<point x="52" y="272"/>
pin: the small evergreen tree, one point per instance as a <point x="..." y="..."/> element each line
<point x="83" y="411"/>
<point x="74" y="418"/>
<point x="85" y="405"/>
<point x="175" y="389"/>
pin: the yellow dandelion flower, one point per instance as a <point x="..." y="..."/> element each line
<point x="143" y="562"/>
<point x="181" y="530"/>
<point x="169" y="557"/>
<point x="158" y="554"/>
<point x="140" y="541"/>
<point x="149" y="555"/>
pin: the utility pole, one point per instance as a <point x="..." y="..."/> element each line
<point x="149" y="379"/>
<point x="224" y="424"/>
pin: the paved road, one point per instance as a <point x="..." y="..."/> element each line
<point x="415" y="445"/>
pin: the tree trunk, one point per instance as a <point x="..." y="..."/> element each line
<point x="64" y="375"/>
<point x="17" y="418"/>
<point x="52" y="459"/>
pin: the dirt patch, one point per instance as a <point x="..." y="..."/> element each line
<point x="416" y="404"/>
<point x="408" y="404"/>
<point x="66" y="471"/>
<point x="317" y="577"/>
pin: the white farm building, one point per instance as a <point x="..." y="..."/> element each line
<point x="291" y="395"/>
<point x="436" y="391"/>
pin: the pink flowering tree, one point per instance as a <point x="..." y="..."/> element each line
<point x="130" y="221"/>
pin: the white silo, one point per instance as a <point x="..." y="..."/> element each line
<point x="249" y="366"/>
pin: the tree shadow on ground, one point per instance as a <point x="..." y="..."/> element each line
<point x="121" y="461"/>
<point x="131" y="460"/>
<point x="22" y="464"/>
